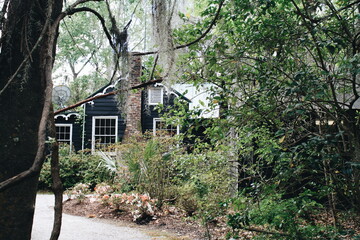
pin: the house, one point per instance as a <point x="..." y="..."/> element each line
<point x="101" y="123"/>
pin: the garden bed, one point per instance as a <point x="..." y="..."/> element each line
<point x="169" y="219"/>
<point x="175" y="221"/>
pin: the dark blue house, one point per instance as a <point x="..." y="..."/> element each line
<point x="101" y="123"/>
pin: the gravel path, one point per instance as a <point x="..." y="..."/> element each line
<point x="79" y="228"/>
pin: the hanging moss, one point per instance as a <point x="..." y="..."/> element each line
<point x="162" y="15"/>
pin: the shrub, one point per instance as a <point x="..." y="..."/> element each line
<point x="187" y="199"/>
<point x="141" y="205"/>
<point x="76" y="168"/>
<point x="203" y="183"/>
<point x="78" y="191"/>
<point x="279" y="215"/>
<point x="150" y="166"/>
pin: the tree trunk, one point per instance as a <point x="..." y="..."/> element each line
<point x="21" y="106"/>
<point x="355" y="169"/>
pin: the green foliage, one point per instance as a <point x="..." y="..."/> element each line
<point x="203" y="182"/>
<point x="150" y="165"/>
<point x="74" y="169"/>
<point x="197" y="182"/>
<point x="291" y="217"/>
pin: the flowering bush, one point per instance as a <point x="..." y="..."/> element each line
<point x="142" y="206"/>
<point x="102" y="189"/>
<point x="78" y="191"/>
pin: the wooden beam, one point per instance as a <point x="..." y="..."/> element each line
<point x="107" y="94"/>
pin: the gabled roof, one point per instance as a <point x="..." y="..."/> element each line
<point x="106" y="91"/>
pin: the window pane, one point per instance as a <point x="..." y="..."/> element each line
<point x="105" y="132"/>
<point x="162" y="129"/>
<point x="63" y="134"/>
<point x="112" y="131"/>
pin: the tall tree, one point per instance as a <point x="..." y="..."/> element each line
<point x="288" y="70"/>
<point x="27" y="51"/>
<point x="29" y="31"/>
<point x="83" y="58"/>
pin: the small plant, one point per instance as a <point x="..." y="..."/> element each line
<point x="150" y="166"/>
<point x="142" y="206"/>
<point x="144" y="209"/>
<point x="79" y="191"/>
<point x="76" y="168"/>
<point x="283" y="218"/>
<point x="102" y="188"/>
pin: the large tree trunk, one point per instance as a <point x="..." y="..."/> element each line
<point x="21" y="107"/>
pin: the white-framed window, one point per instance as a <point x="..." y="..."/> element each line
<point x="155" y="95"/>
<point x="64" y="133"/>
<point x="104" y="132"/>
<point x="162" y="129"/>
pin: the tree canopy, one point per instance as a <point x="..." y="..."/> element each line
<point x="284" y="74"/>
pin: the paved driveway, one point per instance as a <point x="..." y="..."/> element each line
<point x="79" y="228"/>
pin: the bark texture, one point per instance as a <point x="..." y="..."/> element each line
<point x="21" y="106"/>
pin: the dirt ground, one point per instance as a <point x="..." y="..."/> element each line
<point x="175" y="222"/>
<point x="170" y="220"/>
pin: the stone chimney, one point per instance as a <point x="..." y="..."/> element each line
<point x="133" y="103"/>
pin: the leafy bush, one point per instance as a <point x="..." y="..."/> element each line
<point x="202" y="183"/>
<point x="79" y="191"/>
<point x="76" y="168"/>
<point x="141" y="205"/>
<point x="284" y="218"/>
<point x="150" y="166"/>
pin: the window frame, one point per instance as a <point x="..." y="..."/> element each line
<point x="150" y="90"/>
<point x="93" y="135"/>
<point x="71" y="133"/>
<point x="155" y="120"/>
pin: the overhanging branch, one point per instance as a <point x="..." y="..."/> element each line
<point x="108" y="94"/>
<point x="217" y="14"/>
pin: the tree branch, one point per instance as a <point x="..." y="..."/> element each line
<point x="72" y="11"/>
<point x="154" y="66"/>
<point x="217" y="14"/>
<point x="338" y="11"/>
<point x="56" y="181"/>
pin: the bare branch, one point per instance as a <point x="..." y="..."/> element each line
<point x="56" y="181"/>
<point x="217" y="14"/>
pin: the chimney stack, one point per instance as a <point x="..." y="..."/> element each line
<point x="133" y="103"/>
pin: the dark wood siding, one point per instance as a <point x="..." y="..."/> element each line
<point x="106" y="106"/>
<point x="76" y="131"/>
<point x="148" y="113"/>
